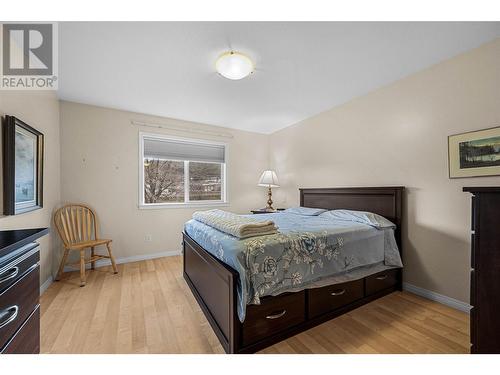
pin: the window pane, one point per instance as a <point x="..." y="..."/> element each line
<point x="163" y="181"/>
<point x="205" y="181"/>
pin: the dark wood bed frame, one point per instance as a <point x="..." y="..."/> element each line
<point x="213" y="283"/>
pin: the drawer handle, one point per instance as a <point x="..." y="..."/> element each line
<point x="11" y="312"/>
<point x="10" y="274"/>
<point x="338" y="292"/>
<point x="276" y="316"/>
<point x="383" y="277"/>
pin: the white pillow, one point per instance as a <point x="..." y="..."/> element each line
<point x="364" y="217"/>
<point x="305" y="211"/>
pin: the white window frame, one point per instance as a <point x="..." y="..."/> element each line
<point x="186" y="203"/>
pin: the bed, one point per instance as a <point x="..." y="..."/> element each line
<point x="243" y="328"/>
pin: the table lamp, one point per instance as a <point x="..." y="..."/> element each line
<point x="269" y="179"/>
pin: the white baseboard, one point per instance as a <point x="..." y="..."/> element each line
<point x="135" y="258"/>
<point x="46" y="284"/>
<point x="433" y="296"/>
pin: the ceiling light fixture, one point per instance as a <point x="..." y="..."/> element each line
<point x="234" y="65"/>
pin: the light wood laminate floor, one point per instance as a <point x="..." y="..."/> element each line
<point x="148" y="308"/>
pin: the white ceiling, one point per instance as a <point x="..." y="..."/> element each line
<point x="167" y="68"/>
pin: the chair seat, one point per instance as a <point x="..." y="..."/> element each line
<point x="82" y="245"/>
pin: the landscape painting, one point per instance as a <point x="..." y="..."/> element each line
<point x="475" y="154"/>
<point x="23" y="167"/>
<point x="480" y="153"/>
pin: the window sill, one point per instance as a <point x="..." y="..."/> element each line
<point x="159" y="206"/>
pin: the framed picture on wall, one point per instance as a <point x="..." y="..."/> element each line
<point x="474" y="154"/>
<point x="22" y="167"/>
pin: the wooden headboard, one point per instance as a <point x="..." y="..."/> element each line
<point x="385" y="201"/>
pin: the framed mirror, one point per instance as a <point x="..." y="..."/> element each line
<point x="22" y="167"/>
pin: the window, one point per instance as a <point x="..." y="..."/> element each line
<point x="181" y="172"/>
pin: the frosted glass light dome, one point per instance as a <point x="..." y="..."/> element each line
<point x="234" y="65"/>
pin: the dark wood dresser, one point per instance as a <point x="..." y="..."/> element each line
<point x="20" y="291"/>
<point x="485" y="270"/>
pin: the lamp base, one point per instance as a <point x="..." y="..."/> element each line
<point x="269" y="207"/>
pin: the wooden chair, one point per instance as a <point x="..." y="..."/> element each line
<point x="77" y="227"/>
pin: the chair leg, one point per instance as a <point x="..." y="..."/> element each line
<point x="62" y="264"/>
<point x="92" y="253"/>
<point x="83" y="278"/>
<point x="111" y="258"/>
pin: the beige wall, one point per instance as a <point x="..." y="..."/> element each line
<point x="398" y="136"/>
<point x="41" y="111"/>
<point x="99" y="166"/>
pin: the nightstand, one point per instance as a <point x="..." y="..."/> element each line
<point x="260" y="211"/>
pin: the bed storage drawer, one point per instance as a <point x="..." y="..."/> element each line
<point x="273" y="315"/>
<point x="380" y="281"/>
<point x="331" y="297"/>
<point x="17" y="303"/>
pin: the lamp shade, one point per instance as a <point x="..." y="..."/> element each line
<point x="269" y="179"/>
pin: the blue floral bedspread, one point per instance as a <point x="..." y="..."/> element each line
<point x="306" y="250"/>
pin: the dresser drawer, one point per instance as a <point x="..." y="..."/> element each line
<point x="331" y="297"/>
<point x="472" y="251"/>
<point x="12" y="271"/>
<point x="473" y="214"/>
<point x="472" y="288"/>
<point x="17" y="303"/>
<point x="272" y="316"/>
<point x="380" y="281"/>
<point x="473" y="329"/>
<point x="27" y="339"/>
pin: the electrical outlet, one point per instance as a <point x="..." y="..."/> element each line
<point x="148" y="238"/>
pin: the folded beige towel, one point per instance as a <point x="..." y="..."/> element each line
<point x="236" y="225"/>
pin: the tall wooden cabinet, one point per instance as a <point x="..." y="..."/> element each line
<point x="485" y="270"/>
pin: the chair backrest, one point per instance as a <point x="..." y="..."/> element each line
<point x="76" y="223"/>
